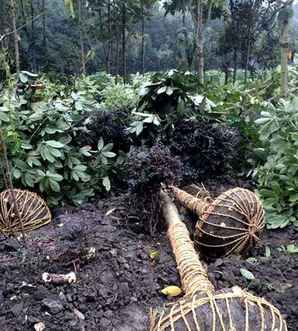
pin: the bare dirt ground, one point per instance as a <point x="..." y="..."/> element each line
<point x="117" y="288"/>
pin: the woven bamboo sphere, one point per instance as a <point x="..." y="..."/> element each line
<point x="32" y="210"/>
<point x="230" y="223"/>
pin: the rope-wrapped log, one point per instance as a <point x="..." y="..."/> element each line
<point x="230" y="223"/>
<point x="29" y="213"/>
<point x="202" y="308"/>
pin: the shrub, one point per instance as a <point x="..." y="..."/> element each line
<point x="173" y="93"/>
<point x="119" y="96"/>
<point x="45" y="152"/>
<point x="278" y="177"/>
<point x="206" y="148"/>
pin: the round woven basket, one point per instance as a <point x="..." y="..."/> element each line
<point x="30" y="212"/>
<point x="202" y="308"/>
<point x="230" y="223"/>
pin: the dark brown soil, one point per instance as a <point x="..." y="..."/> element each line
<point x="116" y="289"/>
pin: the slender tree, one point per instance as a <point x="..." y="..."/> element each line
<point x="197" y="8"/>
<point x="143" y="36"/>
<point x="123" y="32"/>
<point x="15" y="34"/>
<point x="81" y="11"/>
<point x="284" y="21"/>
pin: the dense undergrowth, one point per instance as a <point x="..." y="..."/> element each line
<point x="96" y="134"/>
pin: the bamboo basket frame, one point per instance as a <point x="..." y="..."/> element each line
<point x="237" y="212"/>
<point x="201" y="301"/>
<point x="32" y="209"/>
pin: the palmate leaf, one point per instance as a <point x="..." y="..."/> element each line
<point x="86" y="151"/>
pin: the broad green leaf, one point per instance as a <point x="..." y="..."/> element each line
<point x="30" y="179"/>
<point x="247" y="274"/>
<point x="86" y="151"/>
<point x="56" y="152"/>
<point x="4" y="117"/>
<point x="139" y="128"/>
<point x="100" y="144"/>
<point x="161" y="90"/>
<point x="292" y="249"/>
<point x="54" y="176"/>
<point x="54" y="144"/>
<point x="106" y="183"/>
<point x="46" y="154"/>
<point x="108" y="147"/>
<point x="54" y="185"/>
<point x="263" y="120"/>
<point x="109" y="154"/>
<point x="16" y="173"/>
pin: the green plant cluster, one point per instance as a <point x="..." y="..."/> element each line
<point x="278" y="176"/>
<point x="71" y="141"/>
<point x="43" y="146"/>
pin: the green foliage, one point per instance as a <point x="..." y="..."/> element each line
<point x="44" y="150"/>
<point x="278" y="177"/>
<point x="173" y="93"/>
<point x="141" y="120"/>
<point x="94" y="84"/>
<point x="119" y="96"/>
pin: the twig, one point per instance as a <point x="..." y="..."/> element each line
<point x="20" y="27"/>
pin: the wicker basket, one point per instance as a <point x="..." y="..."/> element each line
<point x="230" y="223"/>
<point x="31" y="208"/>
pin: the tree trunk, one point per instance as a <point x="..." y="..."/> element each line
<point x="32" y="38"/>
<point x="247" y="57"/>
<point x="24" y="18"/>
<point x="124" y="72"/>
<point x="235" y="66"/>
<point x="109" y="53"/>
<point x="44" y="31"/>
<point x="82" y="45"/>
<point x="184" y="19"/>
<point x="143" y="39"/>
<point x="284" y="43"/>
<point x="200" y="41"/>
<point x="117" y="56"/>
<point x="15" y="35"/>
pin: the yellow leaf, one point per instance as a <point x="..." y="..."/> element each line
<point x="154" y="254"/>
<point x="171" y="291"/>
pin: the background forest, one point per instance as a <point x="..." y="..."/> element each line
<point x="123" y="37"/>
